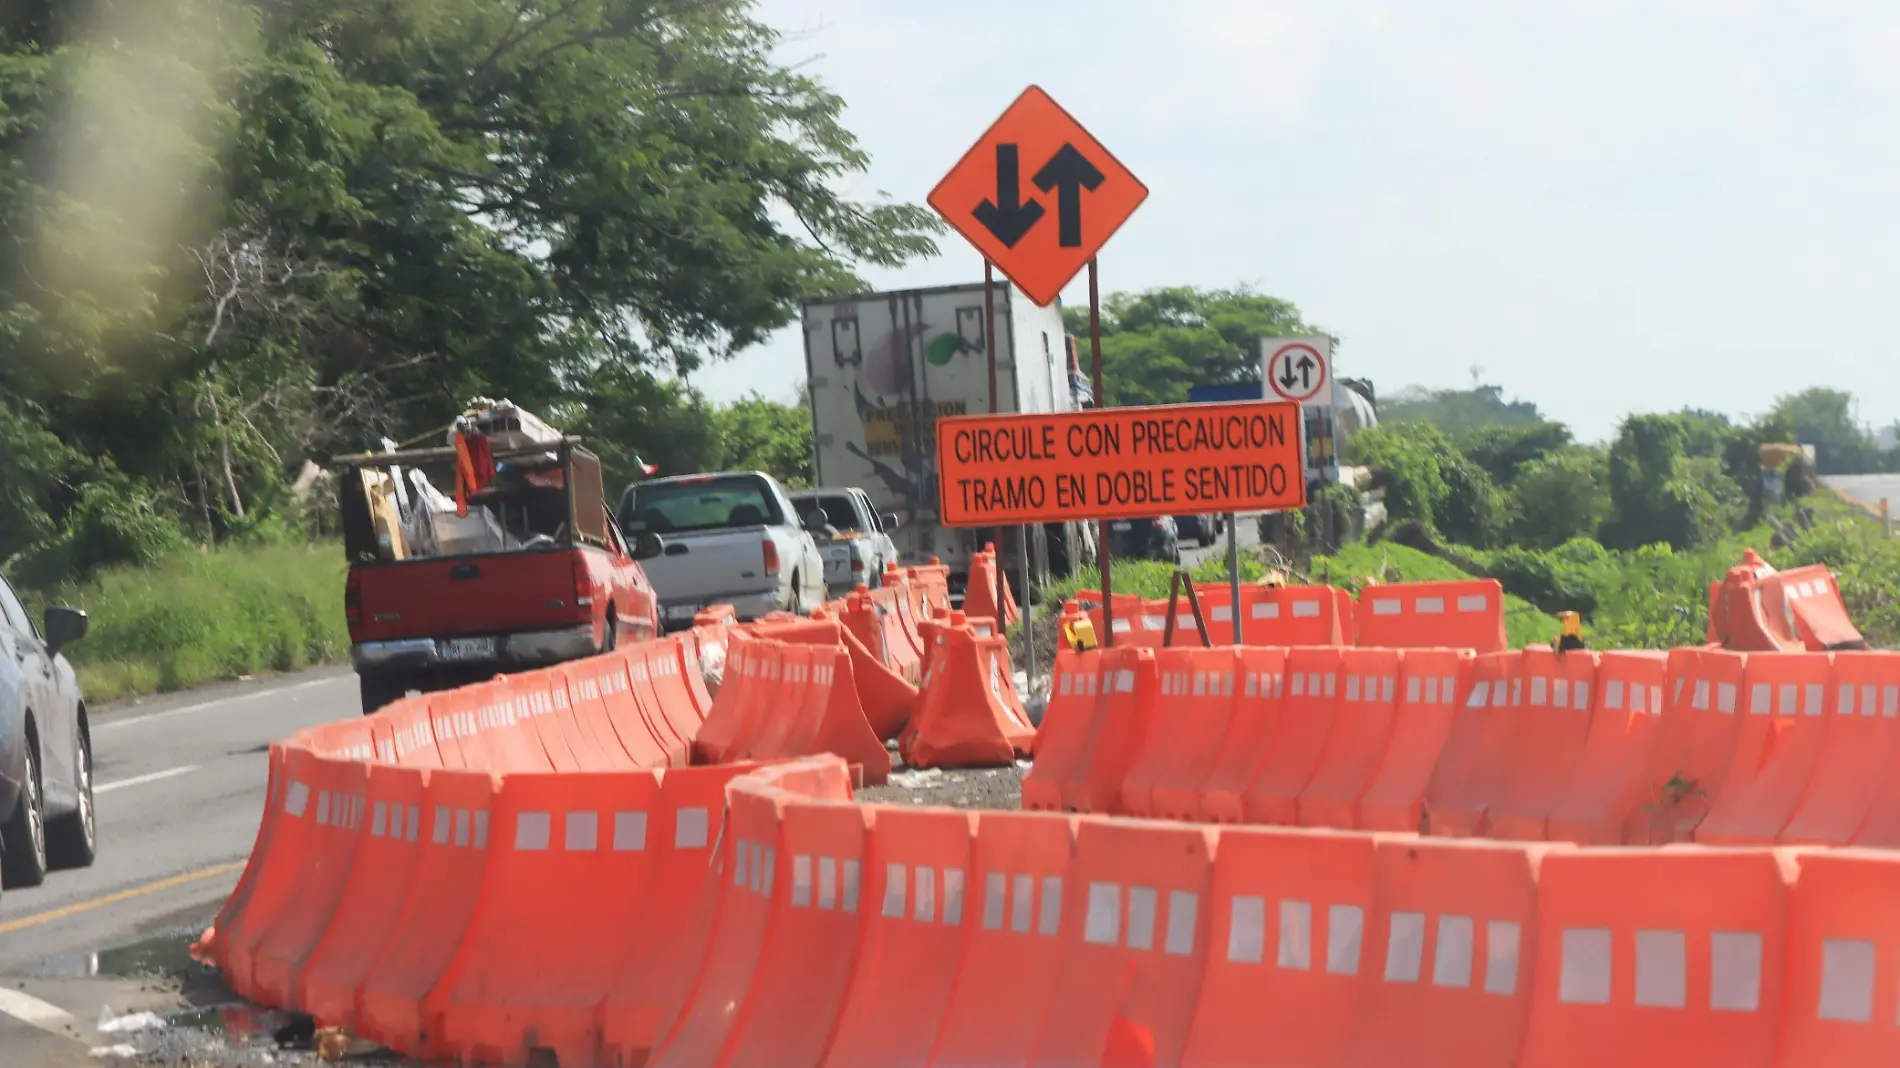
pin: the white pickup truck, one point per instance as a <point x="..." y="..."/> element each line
<point x="862" y="544"/>
<point x="731" y="538"/>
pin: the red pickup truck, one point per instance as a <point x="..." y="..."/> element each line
<point x="533" y="573"/>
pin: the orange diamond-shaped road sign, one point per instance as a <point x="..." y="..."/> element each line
<point x="1038" y="195"/>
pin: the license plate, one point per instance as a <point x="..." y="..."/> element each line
<point x="468" y="649"/>
<point x="1124" y="525"/>
<point x="682" y="611"/>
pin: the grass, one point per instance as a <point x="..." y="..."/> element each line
<point x="200" y="617"/>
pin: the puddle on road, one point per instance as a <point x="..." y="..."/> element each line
<point x="159" y="956"/>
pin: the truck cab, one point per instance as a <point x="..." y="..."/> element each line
<point x="528" y="570"/>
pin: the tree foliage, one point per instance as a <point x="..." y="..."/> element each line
<point x="1160" y="343"/>
<point x="247" y="233"/>
<point x="1456" y="410"/>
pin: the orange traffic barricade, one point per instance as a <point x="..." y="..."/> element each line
<point x="1448" y="955"/>
<point x="1468" y="614"/>
<point x="1473" y="767"/>
<point x="366" y="912"/>
<point x="1544" y="749"/>
<point x="325" y="861"/>
<point x="411" y="737"/>
<point x="1852" y="768"/>
<point x="1306" y="718"/>
<point x="1701" y="694"/>
<point x="1362" y="728"/>
<point x="1671" y="955"/>
<point x="1068" y="725"/>
<point x="752" y="666"/>
<point x="968" y="714"/>
<point x="1192" y="733"/>
<point x="1285" y="968"/>
<point x="278" y="865"/>
<point x="1427" y="707"/>
<point x="917" y="904"/>
<point x="1606" y="788"/>
<point x="542" y="700"/>
<point x="1787" y="708"/>
<point x="608" y="708"/>
<point x="1256" y="718"/>
<point x="1843" y="970"/>
<point x="1295" y="615"/>
<point x="210" y="947"/>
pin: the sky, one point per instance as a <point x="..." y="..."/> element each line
<point x="1605" y="206"/>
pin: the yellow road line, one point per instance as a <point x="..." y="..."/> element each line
<point x="78" y="907"/>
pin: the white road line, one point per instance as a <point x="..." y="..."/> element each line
<point x="204" y="706"/>
<point x="140" y="780"/>
<point x="29" y="1009"/>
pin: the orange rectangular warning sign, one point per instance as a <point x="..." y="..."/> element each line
<point x="1119" y="463"/>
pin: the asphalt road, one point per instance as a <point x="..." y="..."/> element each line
<point x="1867" y="490"/>
<point x="179" y="790"/>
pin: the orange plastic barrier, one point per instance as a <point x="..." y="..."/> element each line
<point x="608" y="707"/>
<point x="786" y="707"/>
<point x="812" y="941"/>
<point x="715" y="1005"/>
<point x="350" y="739"/>
<point x="917" y="904"/>
<point x="1012" y="952"/>
<point x="325" y="861"/>
<point x="1285" y="971"/>
<point x="832" y="720"/>
<point x="1776" y="745"/>
<point x="889" y="632"/>
<point x="394" y="1006"/>
<point x="1447" y="954"/>
<point x="1472" y="768"/>
<point x="404" y="735"/>
<point x="1467" y="614"/>
<point x="716" y="615"/>
<point x="1807" y="601"/>
<point x="1362" y="727"/>
<point x="278" y="868"/>
<point x="752" y="668"/>
<point x="969" y="714"/>
<point x="1429" y="681"/>
<point x="1699" y="730"/>
<point x="1660" y="956"/>
<point x="1062" y="742"/>
<point x="1250" y="734"/>
<point x="1306" y="717"/>
<point x="888" y="697"/>
<point x="987" y="593"/>
<point x="1295" y="615"/>
<point x="1606" y="789"/>
<point x="1542" y="754"/>
<point x="542" y="701"/>
<point x="558" y="840"/>
<point x="1132" y="956"/>
<point x="1843" y="941"/>
<point x="660" y="960"/>
<point x="665" y="666"/>
<point x="1123" y="718"/>
<point x="1199" y="688"/>
<point x="696" y="646"/>
<point x="210" y="947"/>
<point x="365" y="914"/>
<point x="486" y="736"/>
<point x="1852" y="767"/>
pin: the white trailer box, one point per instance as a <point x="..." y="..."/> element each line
<point x="884" y="367"/>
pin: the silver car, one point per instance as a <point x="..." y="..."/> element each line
<point x="45" y="747"/>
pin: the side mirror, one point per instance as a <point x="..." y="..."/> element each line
<point x="64" y="626"/>
<point x="889" y="521"/>
<point x="647" y="546"/>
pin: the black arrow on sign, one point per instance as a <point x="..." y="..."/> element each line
<point x="1008" y="217"/>
<point x="1066" y="174"/>
<point x="1306" y="372"/>
<point x="1286" y="374"/>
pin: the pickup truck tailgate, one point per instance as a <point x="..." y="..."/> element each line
<point x="708" y="567"/>
<point x="470" y="595"/>
<point x="837" y="557"/>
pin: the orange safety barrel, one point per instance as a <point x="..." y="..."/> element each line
<point x="1658" y="956"/>
<point x="1299" y="739"/>
<point x="1852" y="768"/>
<point x="1256" y="717"/>
<point x="1448" y="955"/>
<point x="1606" y="789"/>
<point x="1429" y="681"/>
<point x="1473" y="768"/>
<point x="1362" y="728"/>
<point x="365" y="915"/>
<point x="1776" y="745"/>
<point x="1544" y="749"/>
<point x="1285" y="967"/>
<point x="918" y="905"/>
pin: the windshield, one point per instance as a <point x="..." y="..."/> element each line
<point x="837" y="509"/>
<point x="699" y="504"/>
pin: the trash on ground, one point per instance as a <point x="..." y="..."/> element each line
<point x="912" y="779"/>
<point x="129" y="1024"/>
<point x="120" y="1050"/>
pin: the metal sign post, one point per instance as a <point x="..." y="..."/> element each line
<point x="1233" y="570"/>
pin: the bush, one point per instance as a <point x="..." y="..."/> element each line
<point x="1559" y="497"/>
<point x="197" y="617"/>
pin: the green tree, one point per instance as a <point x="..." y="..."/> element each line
<point x="1660" y="493"/>
<point x="1503" y="450"/>
<point x="1825" y="419"/>
<point x="757" y="434"/>
<point x="1457" y="410"/>
<point x="1159" y="343"/>
<point x="1407" y="462"/>
<point x="1559" y="496"/>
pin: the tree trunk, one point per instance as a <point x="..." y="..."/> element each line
<point x="224" y="448"/>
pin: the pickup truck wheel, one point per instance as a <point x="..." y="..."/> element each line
<point x="23" y="839"/>
<point x="610" y="637"/>
<point x="797" y="605"/>
<point x="380" y="689"/>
